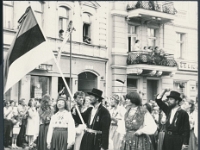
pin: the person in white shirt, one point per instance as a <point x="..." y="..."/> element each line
<point x="8" y="112"/>
<point x="137" y="47"/>
<point x="61" y="132"/>
<point x="117" y="127"/>
<point x="139" y="124"/>
<point x="193" y="118"/>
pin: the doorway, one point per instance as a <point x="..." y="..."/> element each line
<point x="87" y="81"/>
<point x="152" y="89"/>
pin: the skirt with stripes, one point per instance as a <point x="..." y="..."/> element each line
<point x="59" y="139"/>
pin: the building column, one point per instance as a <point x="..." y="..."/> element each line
<point x="166" y="82"/>
<point x="74" y="84"/>
<point x="54" y="87"/>
<point x="25" y="88"/>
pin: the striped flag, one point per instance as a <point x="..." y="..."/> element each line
<point x="28" y="50"/>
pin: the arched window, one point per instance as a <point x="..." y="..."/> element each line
<point x="63" y="13"/>
<point x="8" y="14"/>
<point x="38" y="9"/>
<point x="86" y="17"/>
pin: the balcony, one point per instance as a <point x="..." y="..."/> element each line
<point x="151" y="11"/>
<point x="150" y="63"/>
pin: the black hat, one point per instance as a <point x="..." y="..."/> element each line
<point x="175" y="95"/>
<point x="96" y="92"/>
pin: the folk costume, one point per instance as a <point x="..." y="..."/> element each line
<point x="116" y="129"/>
<point x="98" y="121"/>
<point x="177" y="125"/>
<point x="45" y="113"/>
<point x="61" y="131"/>
<point x="138" y="118"/>
<point x="193" y="144"/>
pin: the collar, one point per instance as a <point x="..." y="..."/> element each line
<point x="175" y="109"/>
<point x="96" y="105"/>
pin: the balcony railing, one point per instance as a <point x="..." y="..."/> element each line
<point x="153" y="5"/>
<point x="151" y="58"/>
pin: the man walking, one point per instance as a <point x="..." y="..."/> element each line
<point x="177" y="125"/>
<point x="98" y="124"/>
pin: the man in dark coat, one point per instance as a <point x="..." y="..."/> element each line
<point x="98" y="121"/>
<point x="177" y="125"/>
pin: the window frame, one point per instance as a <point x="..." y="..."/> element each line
<point x="63" y="18"/>
<point x="5" y="26"/>
<point x="132" y="36"/>
<point x="151" y="37"/>
<point x="179" y="53"/>
<point x="89" y="24"/>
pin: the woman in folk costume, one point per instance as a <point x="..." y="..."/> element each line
<point x="61" y="132"/>
<point x="193" y="117"/>
<point x="139" y="124"/>
<point x="45" y="113"/>
<point x="117" y="127"/>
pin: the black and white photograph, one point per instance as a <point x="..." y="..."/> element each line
<point x="100" y="75"/>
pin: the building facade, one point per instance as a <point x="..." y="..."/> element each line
<point x="169" y="26"/>
<point x="88" y="46"/>
<point x="104" y="47"/>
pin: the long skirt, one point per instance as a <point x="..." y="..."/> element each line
<point x="193" y="145"/>
<point x="42" y="138"/>
<point x="7" y="132"/>
<point x="134" y="142"/>
<point x="115" y="138"/>
<point x="90" y="141"/>
<point x="59" y="139"/>
<point x="21" y="138"/>
<point x="161" y="136"/>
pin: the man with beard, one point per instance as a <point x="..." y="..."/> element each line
<point x="98" y="124"/>
<point x="177" y="124"/>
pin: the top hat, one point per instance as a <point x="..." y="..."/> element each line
<point x="96" y="92"/>
<point x="175" y="95"/>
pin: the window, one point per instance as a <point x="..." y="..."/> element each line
<point x="86" y="28"/>
<point x="151" y="37"/>
<point x="38" y="9"/>
<point x="39" y="86"/>
<point x="132" y="36"/>
<point x="179" y="45"/>
<point x="8" y="14"/>
<point x="131" y="85"/>
<point x="63" y="18"/>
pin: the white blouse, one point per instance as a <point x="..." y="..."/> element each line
<point x="62" y="120"/>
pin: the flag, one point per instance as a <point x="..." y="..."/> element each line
<point x="28" y="50"/>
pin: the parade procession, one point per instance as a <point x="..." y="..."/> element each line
<point x="100" y="75"/>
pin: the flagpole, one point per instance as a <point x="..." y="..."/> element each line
<point x="71" y="97"/>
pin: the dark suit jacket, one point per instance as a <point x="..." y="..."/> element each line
<point x="101" y="122"/>
<point x="180" y="123"/>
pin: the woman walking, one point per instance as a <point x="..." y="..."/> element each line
<point x="45" y="113"/>
<point x="61" y="132"/>
<point x="139" y="125"/>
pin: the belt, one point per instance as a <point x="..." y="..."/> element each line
<point x="93" y="131"/>
<point x="114" y="124"/>
<point x="171" y="133"/>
